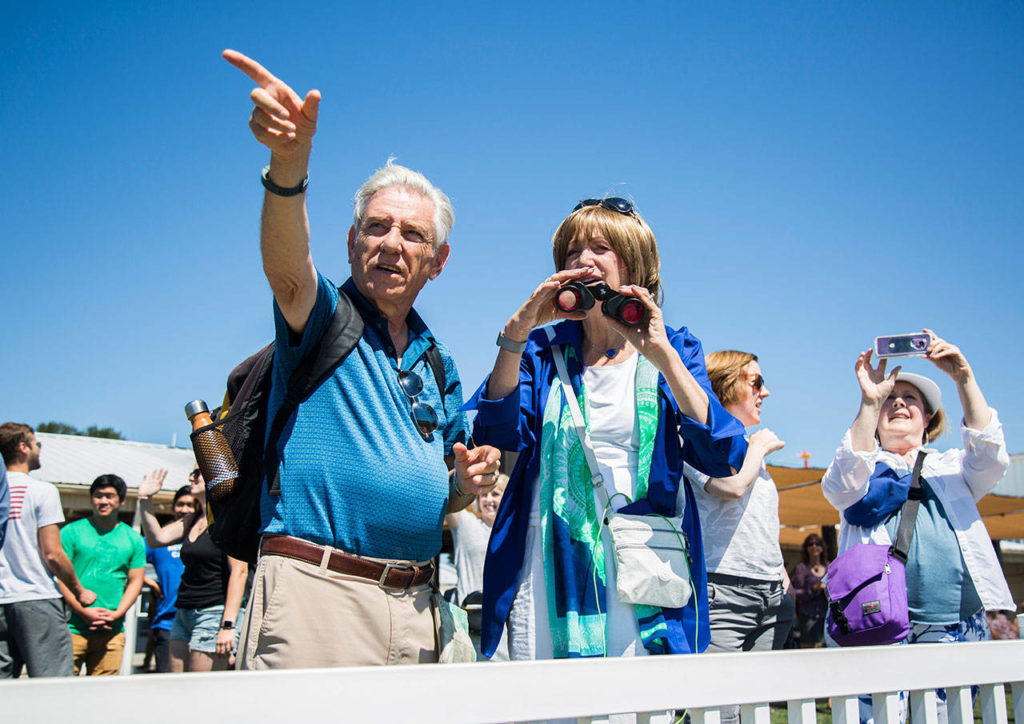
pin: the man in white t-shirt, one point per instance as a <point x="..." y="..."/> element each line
<point x="34" y="630"/>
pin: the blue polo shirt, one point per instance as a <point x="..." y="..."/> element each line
<point x="355" y="472"/>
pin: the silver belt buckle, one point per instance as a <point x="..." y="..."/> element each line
<point x="384" y="575"/>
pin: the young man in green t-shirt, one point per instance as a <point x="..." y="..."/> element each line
<point x="110" y="559"/>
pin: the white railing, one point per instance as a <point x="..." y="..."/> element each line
<point x="527" y="691"/>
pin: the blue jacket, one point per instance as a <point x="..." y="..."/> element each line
<point x="515" y="423"/>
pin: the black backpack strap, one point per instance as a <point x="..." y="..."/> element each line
<point x="340" y="338"/>
<point x="908" y="517"/>
<point x="433" y="355"/>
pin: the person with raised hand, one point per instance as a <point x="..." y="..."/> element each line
<point x="332" y="541"/>
<point x="204" y="635"/>
<point x="747" y="582"/>
<point x="648" y="406"/>
<point x="952" y="574"/>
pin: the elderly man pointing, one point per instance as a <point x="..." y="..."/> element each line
<point x="375" y="457"/>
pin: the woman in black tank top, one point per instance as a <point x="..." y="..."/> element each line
<point x="203" y="637"/>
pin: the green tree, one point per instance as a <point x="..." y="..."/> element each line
<point x="62" y="428"/>
<point x="107" y="432"/>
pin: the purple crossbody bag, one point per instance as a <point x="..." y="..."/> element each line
<point x="867" y="585"/>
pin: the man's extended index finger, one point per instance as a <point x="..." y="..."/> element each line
<point x="250" y="67"/>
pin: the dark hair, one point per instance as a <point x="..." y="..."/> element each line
<point x="187" y="490"/>
<point x="813" y="538"/>
<point x="12" y="434"/>
<point x="109" y="480"/>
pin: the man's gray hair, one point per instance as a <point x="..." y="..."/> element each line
<point x="394" y="175"/>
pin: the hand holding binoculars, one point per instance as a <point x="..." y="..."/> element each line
<point x="580" y="296"/>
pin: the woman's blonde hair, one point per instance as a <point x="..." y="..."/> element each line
<point x="629" y="235"/>
<point x="724" y="370"/>
<point x="936" y="426"/>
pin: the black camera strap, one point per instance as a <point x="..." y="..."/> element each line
<point x="908" y="514"/>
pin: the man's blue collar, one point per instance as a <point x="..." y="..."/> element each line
<point x="372" y="315"/>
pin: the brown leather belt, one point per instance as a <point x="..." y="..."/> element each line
<point x="386" y="575"/>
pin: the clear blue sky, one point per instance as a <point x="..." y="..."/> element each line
<point x="816" y="174"/>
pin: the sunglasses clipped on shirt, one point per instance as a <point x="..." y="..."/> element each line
<point x="612" y="203"/>
<point x="423" y="415"/>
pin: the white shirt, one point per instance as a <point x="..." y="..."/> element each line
<point x="959" y="479"/>
<point x="741" y="536"/>
<point x="470" y="536"/>
<point x="23" y="575"/>
<point x="611" y="420"/>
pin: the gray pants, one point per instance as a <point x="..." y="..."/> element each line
<point x="35" y="635"/>
<point x="747" y="614"/>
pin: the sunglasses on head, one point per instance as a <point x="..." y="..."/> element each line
<point x="423" y="415"/>
<point x="612" y="203"/>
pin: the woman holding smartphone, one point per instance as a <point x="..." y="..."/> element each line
<point x="952" y="573"/>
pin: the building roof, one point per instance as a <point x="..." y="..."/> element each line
<point x="803" y="508"/>
<point x="77" y="460"/>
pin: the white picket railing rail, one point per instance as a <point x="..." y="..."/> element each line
<point x="525" y="691"/>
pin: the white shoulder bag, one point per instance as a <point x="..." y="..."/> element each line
<point x="651" y="554"/>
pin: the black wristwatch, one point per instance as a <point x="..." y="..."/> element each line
<point x="227" y="625"/>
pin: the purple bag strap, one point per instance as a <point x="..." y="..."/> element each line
<point x="908" y="515"/>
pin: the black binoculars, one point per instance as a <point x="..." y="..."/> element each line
<point x="580" y="296"/>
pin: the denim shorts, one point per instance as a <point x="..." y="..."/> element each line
<point x="199" y="626"/>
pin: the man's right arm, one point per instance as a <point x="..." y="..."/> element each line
<point x="284" y="123"/>
<point x="58" y="563"/>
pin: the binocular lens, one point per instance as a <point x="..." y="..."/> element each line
<point x="568" y="299"/>
<point x="632" y="312"/>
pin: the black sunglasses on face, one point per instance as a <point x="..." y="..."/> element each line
<point x="757" y="381"/>
<point x="612" y="203"/>
<point x="194" y="474"/>
<point x="423" y="415"/>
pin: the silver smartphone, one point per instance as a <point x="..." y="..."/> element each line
<point x="903" y="345"/>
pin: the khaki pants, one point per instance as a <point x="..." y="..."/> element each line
<point x="301" y="615"/>
<point x="101" y="653"/>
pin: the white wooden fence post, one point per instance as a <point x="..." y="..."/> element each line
<point x="924" y="707"/>
<point x="706" y="716"/>
<point x="845" y="710"/>
<point x="885" y="707"/>
<point x="755" y="714"/>
<point x="993" y="704"/>
<point x="801" y="711"/>
<point x="959" y="707"/>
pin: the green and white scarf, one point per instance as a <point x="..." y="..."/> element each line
<point x="574" y="558"/>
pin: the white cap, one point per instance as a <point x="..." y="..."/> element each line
<point x="930" y="390"/>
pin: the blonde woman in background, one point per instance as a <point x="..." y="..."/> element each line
<point x="748" y="605"/>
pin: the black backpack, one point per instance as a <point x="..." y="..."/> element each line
<point x="235" y="521"/>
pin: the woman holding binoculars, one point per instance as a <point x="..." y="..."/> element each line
<point x="641" y="385"/>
